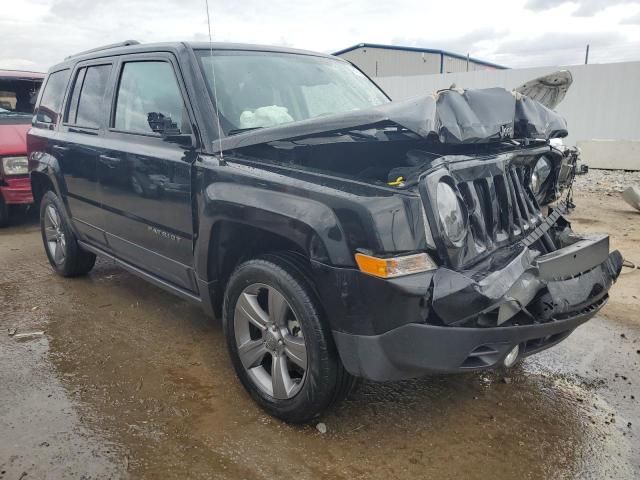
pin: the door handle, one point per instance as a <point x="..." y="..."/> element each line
<point x="60" y="148"/>
<point x="109" y="161"/>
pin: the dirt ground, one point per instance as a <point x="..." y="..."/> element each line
<point x="600" y="208"/>
<point x="130" y="382"/>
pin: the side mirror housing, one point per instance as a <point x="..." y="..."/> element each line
<point x="182" y="139"/>
<point x="169" y="131"/>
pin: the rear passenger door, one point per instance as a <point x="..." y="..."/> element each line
<point x="80" y="142"/>
<point x="145" y="179"/>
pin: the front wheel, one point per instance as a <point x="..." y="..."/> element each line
<point x="65" y="255"/>
<point x="280" y="346"/>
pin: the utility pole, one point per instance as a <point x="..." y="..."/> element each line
<point x="467" y="61"/>
<point x="586" y="55"/>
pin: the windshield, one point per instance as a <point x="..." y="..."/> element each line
<point x="264" y="89"/>
<point x="18" y="95"/>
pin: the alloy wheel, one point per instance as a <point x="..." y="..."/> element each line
<point x="270" y="341"/>
<point x="54" y="234"/>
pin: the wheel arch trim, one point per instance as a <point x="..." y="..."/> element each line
<point x="312" y="226"/>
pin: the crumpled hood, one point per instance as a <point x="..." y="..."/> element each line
<point x="549" y="90"/>
<point x="13" y="139"/>
<point x="450" y="116"/>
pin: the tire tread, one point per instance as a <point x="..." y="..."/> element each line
<point x="339" y="383"/>
<point x="77" y="261"/>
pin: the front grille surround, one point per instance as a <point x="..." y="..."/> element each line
<point x="495" y="193"/>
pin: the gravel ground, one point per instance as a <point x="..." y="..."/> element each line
<point x="609" y="182"/>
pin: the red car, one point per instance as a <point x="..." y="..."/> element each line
<point x="18" y="94"/>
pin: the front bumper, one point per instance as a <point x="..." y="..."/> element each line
<point x="534" y="301"/>
<point x="16" y="191"/>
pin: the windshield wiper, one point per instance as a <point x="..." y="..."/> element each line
<point x="360" y="134"/>
<point x="235" y="131"/>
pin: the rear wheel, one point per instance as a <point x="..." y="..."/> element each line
<point x="281" y="348"/>
<point x="65" y="255"/>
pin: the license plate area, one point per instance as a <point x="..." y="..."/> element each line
<point x="574" y="259"/>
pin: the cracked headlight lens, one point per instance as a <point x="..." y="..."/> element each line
<point x="450" y="212"/>
<point x="540" y="173"/>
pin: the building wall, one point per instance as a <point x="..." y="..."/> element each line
<point x="379" y="62"/>
<point x="382" y="62"/>
<point x="453" y="64"/>
<point x="602" y="104"/>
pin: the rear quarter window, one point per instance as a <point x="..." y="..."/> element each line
<point x="51" y="101"/>
<point x="86" y="106"/>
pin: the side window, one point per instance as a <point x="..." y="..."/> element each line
<point x="51" y="100"/>
<point x="72" y="108"/>
<point x="149" y="99"/>
<point x="87" y="99"/>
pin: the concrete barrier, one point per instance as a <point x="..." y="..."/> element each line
<point x="610" y="154"/>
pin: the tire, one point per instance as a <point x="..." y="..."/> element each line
<point x="4" y="213"/>
<point x="277" y="291"/>
<point x="66" y="257"/>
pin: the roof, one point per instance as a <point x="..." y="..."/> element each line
<point x="131" y="46"/>
<point x="253" y="47"/>
<point x="421" y="50"/>
<point x="21" y="74"/>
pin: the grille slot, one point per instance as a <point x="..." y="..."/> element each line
<point x="500" y="207"/>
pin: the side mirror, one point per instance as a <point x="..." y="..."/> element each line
<point x="167" y="128"/>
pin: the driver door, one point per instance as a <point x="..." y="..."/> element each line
<point x="144" y="181"/>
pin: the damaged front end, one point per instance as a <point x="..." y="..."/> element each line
<point x="553" y="174"/>
<point x="513" y="283"/>
<point x="535" y="281"/>
<point x="451" y="177"/>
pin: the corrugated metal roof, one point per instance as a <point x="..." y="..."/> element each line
<point x="421" y="50"/>
<point x="21" y="74"/>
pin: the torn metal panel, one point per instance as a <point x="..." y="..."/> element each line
<point x="534" y="120"/>
<point x="475" y="116"/>
<point x="554" y="174"/>
<point x="549" y="90"/>
<point x="450" y="117"/>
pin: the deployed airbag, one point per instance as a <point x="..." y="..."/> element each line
<point x="265" y="117"/>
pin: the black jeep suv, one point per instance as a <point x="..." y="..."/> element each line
<point x="336" y="233"/>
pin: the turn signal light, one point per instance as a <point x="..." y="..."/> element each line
<point x="394" y="266"/>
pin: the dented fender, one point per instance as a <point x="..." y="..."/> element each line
<point x="327" y="218"/>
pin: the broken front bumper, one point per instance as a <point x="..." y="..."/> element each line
<point x="534" y="301"/>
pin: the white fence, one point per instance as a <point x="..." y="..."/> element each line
<point x="602" y="104"/>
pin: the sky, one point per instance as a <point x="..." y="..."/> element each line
<point x="35" y="34"/>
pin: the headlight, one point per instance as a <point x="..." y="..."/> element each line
<point x="450" y="212"/>
<point x="540" y="173"/>
<point x="15" y="165"/>
<point x="392" y="267"/>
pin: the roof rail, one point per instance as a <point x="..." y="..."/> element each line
<point x="126" y="43"/>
